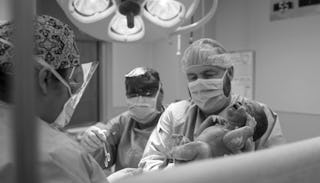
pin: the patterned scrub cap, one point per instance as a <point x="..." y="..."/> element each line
<point x="54" y="43"/>
<point x="6" y="48"/>
<point x="205" y="52"/>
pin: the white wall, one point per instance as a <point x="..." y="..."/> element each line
<point x="5" y="13"/>
<point x="287" y="60"/>
<point x="287" y="53"/>
<point x="167" y="63"/>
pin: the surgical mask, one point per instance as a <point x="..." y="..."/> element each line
<point x="143" y="109"/>
<point x="202" y="90"/>
<point x="65" y="115"/>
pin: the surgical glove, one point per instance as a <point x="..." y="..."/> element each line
<point x="93" y="139"/>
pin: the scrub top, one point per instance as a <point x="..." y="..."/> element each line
<point x="125" y="142"/>
<point x="184" y="118"/>
<point x="61" y="159"/>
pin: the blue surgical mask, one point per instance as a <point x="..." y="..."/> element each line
<point x="202" y="90"/>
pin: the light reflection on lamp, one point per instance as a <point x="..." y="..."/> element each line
<point x="88" y="11"/>
<point x="119" y="30"/>
<point x="165" y="10"/>
<point x="90" y="7"/>
<point x="165" y="13"/>
<point x="163" y="17"/>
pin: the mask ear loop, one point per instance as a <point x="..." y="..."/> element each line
<point x="73" y="69"/>
<point x="158" y="92"/>
<point x="54" y="72"/>
<point x="157" y="96"/>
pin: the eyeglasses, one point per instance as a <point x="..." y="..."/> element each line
<point x="143" y="92"/>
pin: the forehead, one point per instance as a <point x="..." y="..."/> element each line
<point x="200" y="69"/>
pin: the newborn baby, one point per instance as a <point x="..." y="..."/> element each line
<point x="233" y="131"/>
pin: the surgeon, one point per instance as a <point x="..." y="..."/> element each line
<point x="59" y="82"/>
<point x="209" y="73"/>
<point x="121" y="141"/>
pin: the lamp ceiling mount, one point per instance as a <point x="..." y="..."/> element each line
<point x="130" y="9"/>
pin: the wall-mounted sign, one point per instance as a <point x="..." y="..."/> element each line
<point x="244" y="73"/>
<point x="283" y="9"/>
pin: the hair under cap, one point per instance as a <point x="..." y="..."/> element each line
<point x="205" y="52"/>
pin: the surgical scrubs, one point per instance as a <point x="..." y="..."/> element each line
<point x="125" y="141"/>
<point x="61" y="159"/>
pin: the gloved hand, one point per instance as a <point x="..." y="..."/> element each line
<point x="93" y="139"/>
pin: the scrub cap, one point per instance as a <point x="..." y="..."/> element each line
<point x="142" y="81"/>
<point x="205" y="52"/>
<point x="6" y="48"/>
<point x="54" y="43"/>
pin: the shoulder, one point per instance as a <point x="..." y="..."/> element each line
<point x="63" y="158"/>
<point x="58" y="145"/>
<point x="119" y="120"/>
<point x="179" y="110"/>
<point x="180" y="106"/>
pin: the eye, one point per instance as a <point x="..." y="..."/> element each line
<point x="148" y="93"/>
<point x="132" y="95"/>
<point x="192" y="77"/>
<point x="210" y="74"/>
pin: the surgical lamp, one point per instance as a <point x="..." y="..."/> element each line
<point x="133" y="20"/>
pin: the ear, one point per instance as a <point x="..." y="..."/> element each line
<point x="230" y="72"/>
<point x="43" y="80"/>
<point x="227" y="82"/>
<point x="160" y="98"/>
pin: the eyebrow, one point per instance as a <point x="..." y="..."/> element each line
<point x="209" y="71"/>
<point x="191" y="74"/>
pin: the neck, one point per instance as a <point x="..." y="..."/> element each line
<point x="151" y="123"/>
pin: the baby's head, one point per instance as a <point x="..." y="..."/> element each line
<point x="235" y="115"/>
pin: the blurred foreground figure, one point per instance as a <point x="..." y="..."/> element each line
<point x="59" y="85"/>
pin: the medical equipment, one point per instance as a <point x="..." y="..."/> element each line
<point x="133" y="20"/>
